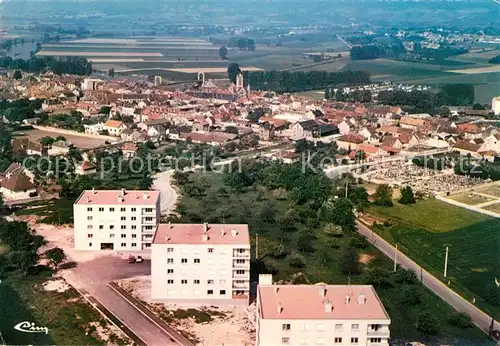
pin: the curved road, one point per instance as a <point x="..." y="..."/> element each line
<point x="481" y="319"/>
<point x="168" y="195"/>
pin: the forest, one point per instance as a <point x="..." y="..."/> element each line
<point x="67" y="65"/>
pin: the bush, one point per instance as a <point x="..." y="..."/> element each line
<point x="358" y="241"/>
<point x="461" y="320"/>
<point x="408" y="296"/>
<point x="404" y="276"/>
<point x="348" y="262"/>
<point x="297" y="261"/>
<point x="333" y="243"/>
<point x="427" y="323"/>
<point x="492" y="294"/>
<point x="279" y="251"/>
<point x="333" y="230"/>
<point x="377" y="277"/>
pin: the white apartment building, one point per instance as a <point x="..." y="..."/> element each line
<point x="116" y="219"/>
<point x="319" y="315"/>
<point x="201" y="263"/>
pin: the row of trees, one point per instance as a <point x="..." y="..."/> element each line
<point x="374" y="51"/>
<point x="286" y="81"/>
<point x="69" y="65"/>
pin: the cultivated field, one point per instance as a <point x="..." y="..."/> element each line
<point x="60" y="53"/>
<point x="78" y="141"/>
<point x="489" y="69"/>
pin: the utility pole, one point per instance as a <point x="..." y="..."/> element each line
<point x="396" y="258"/>
<point x="346" y="188"/>
<point x="446" y="262"/>
<point x="256" y="246"/>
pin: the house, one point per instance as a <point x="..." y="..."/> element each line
<point x="319" y="314"/>
<point x="93" y="129"/>
<point x="17" y="183"/>
<point x="85" y="168"/>
<point x="129" y="149"/>
<point x="465" y="148"/>
<point x="60" y="148"/>
<point x="24" y="147"/>
<point x="114" y="127"/>
<point x="287" y="157"/>
<point x="118" y="220"/>
<point x="350" y="141"/>
<point x="469" y="131"/>
<point x="266" y="131"/>
<point x="372" y="151"/>
<point x="492" y="143"/>
<point x="369" y="134"/>
<point x="201" y="263"/>
<point x="157" y="131"/>
<point x="344" y="127"/>
<point x="412" y="123"/>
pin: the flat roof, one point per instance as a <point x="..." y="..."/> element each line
<point x="132" y="197"/>
<point x="309" y="302"/>
<point x="187" y="233"/>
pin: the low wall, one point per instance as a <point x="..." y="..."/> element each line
<point x="466" y="206"/>
<point x="74" y="133"/>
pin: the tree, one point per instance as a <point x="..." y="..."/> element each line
<point x="56" y="256"/>
<point x="408" y="296"/>
<point x="427" y="323"/>
<point x="223" y="53"/>
<point x="232" y="71"/>
<point x="404" y="276"/>
<point x="348" y="262"/>
<point x="279" y="251"/>
<point x="305" y="241"/>
<point x="407" y="196"/>
<point x="297" y="261"/>
<point x="358" y="241"/>
<point x="492" y="294"/>
<point x="333" y="230"/>
<point x="461" y="320"/>
<point x="377" y="277"/>
<point x="358" y="196"/>
<point x="383" y="196"/>
<point x="111" y="72"/>
<point x="17" y="74"/>
<point x="340" y="212"/>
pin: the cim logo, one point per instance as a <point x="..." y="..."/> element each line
<point x="30" y="327"/>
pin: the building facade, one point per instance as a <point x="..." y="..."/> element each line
<point x="319" y="315"/>
<point x="201" y="263"/>
<point x="116" y="219"/>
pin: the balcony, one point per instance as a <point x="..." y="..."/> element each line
<point x="245" y="254"/>
<point x="148" y="222"/>
<point x="148" y="213"/>
<point x="382" y="332"/>
<point x="245" y="264"/>
<point x="244" y="286"/>
<point x="242" y="276"/>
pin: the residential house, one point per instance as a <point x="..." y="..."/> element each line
<point x="129" y="149"/>
<point x="24" y="147"/>
<point x="344" y="127"/>
<point x="85" y="168"/>
<point x="93" y="129"/>
<point x="60" y="148"/>
<point x="17" y="183"/>
<point x="114" y="127"/>
<point x="469" y="131"/>
<point x="350" y="141"/>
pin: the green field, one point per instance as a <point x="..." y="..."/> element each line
<point x="266" y="214"/>
<point x="425" y="229"/>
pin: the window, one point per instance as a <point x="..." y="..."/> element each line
<point x="222" y="292"/>
<point x="170" y="271"/>
<point x="354" y="340"/>
<point x="285" y="326"/>
<point x="222" y="282"/>
<point x="123" y="227"/>
<point x="101" y="226"/>
<point x="133" y="218"/>
<point x="148" y="236"/>
<point x="90" y="244"/>
<point x="337" y="340"/>
<point x="210" y="292"/>
<point x="149" y="218"/>
<point x="123" y="244"/>
<point x="133" y="209"/>
<point x="148" y="210"/>
<point x="123" y="236"/>
<point x="304" y="327"/>
<point x="240" y="261"/>
<point x="210" y="250"/>
<point x="285" y="341"/>
<point x="134" y="244"/>
<point x="89" y="218"/>
<point x="170" y="260"/>
<point x="122" y="209"/>
<point x="240" y="272"/>
<point x="170" y="281"/>
<point x="111" y="209"/>
<point x="184" y="281"/>
<point x="89" y="226"/>
<point x="134" y="235"/>
<point x="196" y="282"/>
<point x="303" y="340"/>
<point x="149" y="227"/>
<point x="196" y="260"/>
<point x="101" y="209"/>
<point x="355" y="327"/>
<point x="184" y="260"/>
<point x="170" y="249"/>
<point x="112" y="235"/>
<point x="147" y="245"/>
<point x="320" y="327"/>
<point x="90" y="235"/>
<point x="123" y="218"/>
<point x="210" y="282"/>
<point x="339" y="327"/>
<point x="320" y="341"/>
<point x="134" y="227"/>
<point x="376" y="340"/>
<point x="111" y="226"/>
<point x="374" y="327"/>
<point x="89" y="209"/>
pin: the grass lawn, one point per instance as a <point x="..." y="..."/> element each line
<point x="425" y="229"/>
<point x="470" y="198"/>
<point x="67" y="315"/>
<point x="321" y="260"/>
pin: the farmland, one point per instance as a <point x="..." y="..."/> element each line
<point x="78" y="141"/>
<point x="425" y="229"/>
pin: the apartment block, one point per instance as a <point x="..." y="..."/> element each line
<point x="201" y="263"/>
<point x="116" y="219"/>
<point x="320" y="315"/>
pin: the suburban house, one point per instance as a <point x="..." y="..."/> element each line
<point x="372" y="152"/>
<point x="350" y="141"/>
<point x="17" y="183"/>
<point x="114" y="127"/>
<point x="24" y="147"/>
<point x="86" y="167"/>
<point x="129" y="149"/>
<point x="93" y="129"/>
<point x="319" y="314"/>
<point x="60" y="148"/>
<point x="344" y="127"/>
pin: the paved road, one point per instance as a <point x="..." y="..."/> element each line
<point x="481" y="319"/>
<point x="168" y="196"/>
